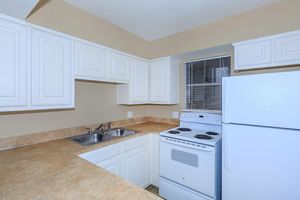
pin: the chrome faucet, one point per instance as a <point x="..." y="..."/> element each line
<point x="99" y="127"/>
<point x="104" y="127"/>
<point x="109" y="126"/>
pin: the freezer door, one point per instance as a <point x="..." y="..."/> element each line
<point x="266" y="99"/>
<point x="260" y="163"/>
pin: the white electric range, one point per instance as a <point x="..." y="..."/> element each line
<point x="190" y="158"/>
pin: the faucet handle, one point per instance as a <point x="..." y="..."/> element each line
<point x="109" y="125"/>
<point x="99" y="127"/>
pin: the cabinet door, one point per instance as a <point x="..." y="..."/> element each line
<point x="154" y="161"/>
<point x="90" y="61"/>
<point x="253" y="55"/>
<point x="136" y="166"/>
<point x="139" y="87"/>
<point x="118" y="65"/>
<point x="52" y="74"/>
<point x="159" y="77"/>
<point x="112" y="165"/>
<point x="287" y="49"/>
<point x="14" y="56"/>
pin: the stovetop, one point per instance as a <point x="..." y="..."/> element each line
<point x="194" y="135"/>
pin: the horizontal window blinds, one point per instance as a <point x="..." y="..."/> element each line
<point x="204" y="83"/>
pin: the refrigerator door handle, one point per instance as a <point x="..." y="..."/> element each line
<point x="225" y="100"/>
<point x="226" y="153"/>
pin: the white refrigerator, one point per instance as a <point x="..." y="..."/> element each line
<point x="261" y="137"/>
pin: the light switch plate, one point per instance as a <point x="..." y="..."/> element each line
<point x="129" y="114"/>
<point x="175" y="115"/>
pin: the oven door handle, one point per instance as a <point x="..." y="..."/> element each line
<point x="186" y="144"/>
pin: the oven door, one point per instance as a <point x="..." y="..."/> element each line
<point x="188" y="164"/>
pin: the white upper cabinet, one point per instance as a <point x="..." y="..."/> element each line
<point x="89" y="61"/>
<point x="137" y="90"/>
<point x="37" y="68"/>
<point x="277" y="50"/>
<point x="140" y="81"/>
<point x="154" y="83"/>
<point x="159" y="83"/>
<point x="14" y="66"/>
<point x="253" y="55"/>
<point x="287" y="49"/>
<point x="164" y="81"/>
<point x="52" y="74"/>
<point x="118" y="66"/>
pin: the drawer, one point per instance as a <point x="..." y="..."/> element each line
<point x="173" y="191"/>
<point x="101" y="154"/>
<point x="136" y="142"/>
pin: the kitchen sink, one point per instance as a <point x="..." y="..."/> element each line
<point x="97" y="136"/>
<point x="119" y="132"/>
<point x="89" y="139"/>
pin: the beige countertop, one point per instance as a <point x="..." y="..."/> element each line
<point x="53" y="170"/>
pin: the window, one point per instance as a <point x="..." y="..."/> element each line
<point x="204" y="83"/>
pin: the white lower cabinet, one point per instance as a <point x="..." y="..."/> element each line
<point x="132" y="159"/>
<point x="136" y="166"/>
<point x="154" y="160"/>
<point x="112" y="165"/>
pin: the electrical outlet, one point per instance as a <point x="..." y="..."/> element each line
<point x="175" y="115"/>
<point x="129" y="114"/>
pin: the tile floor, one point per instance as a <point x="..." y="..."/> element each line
<point x="153" y="189"/>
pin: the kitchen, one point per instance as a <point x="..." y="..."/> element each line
<point x="39" y="160"/>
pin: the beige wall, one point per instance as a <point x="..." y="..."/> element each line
<point x="273" y="19"/>
<point x="63" y="17"/>
<point x="96" y="102"/>
<point x="276" y="18"/>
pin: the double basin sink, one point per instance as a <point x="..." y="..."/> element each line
<point x="97" y="137"/>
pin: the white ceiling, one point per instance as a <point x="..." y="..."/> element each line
<point x="154" y="19"/>
<point x="17" y="8"/>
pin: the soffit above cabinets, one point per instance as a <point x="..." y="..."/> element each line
<point x="155" y="19"/>
<point x="16" y="8"/>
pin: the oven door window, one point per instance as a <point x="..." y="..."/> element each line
<point x="184" y="157"/>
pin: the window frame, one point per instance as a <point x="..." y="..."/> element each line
<point x="185" y="84"/>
